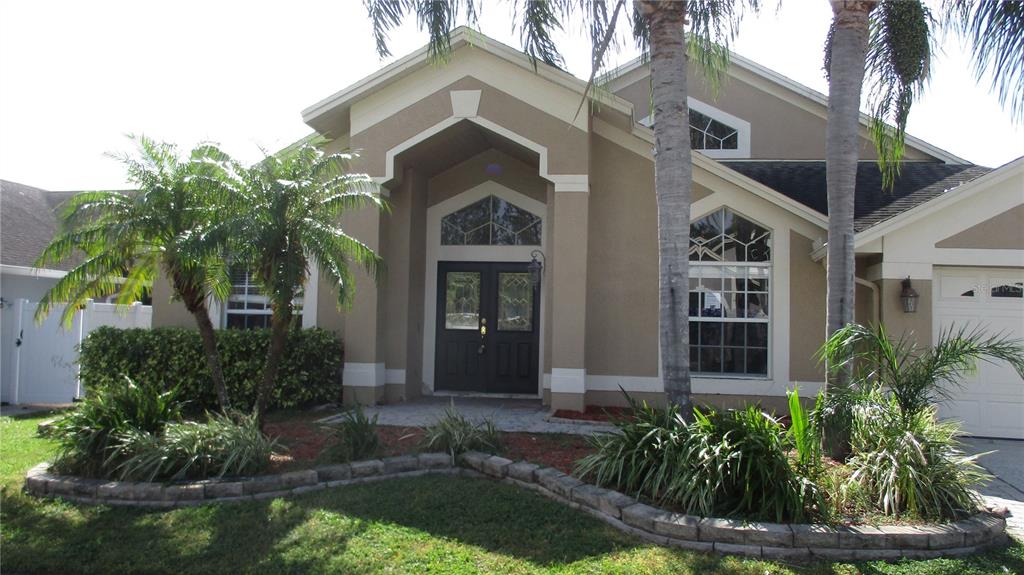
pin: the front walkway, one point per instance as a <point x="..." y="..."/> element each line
<point x="526" y="415"/>
<point x="1007" y="487"/>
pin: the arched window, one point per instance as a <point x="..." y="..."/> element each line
<point x="730" y="265"/>
<point x="491" y="221"/>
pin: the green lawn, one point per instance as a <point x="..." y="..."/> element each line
<point x="423" y="525"/>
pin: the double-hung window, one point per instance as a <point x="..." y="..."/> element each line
<point x="730" y="316"/>
<point x="247" y="307"/>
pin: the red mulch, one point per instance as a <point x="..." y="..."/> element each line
<point x="595" y="413"/>
<point x="305" y="439"/>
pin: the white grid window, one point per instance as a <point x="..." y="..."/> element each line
<point x="247" y="307"/>
<point x="730" y="265"/>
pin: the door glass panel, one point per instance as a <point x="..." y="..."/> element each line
<point x="462" y="300"/>
<point x="515" y="302"/>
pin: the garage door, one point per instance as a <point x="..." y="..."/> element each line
<point x="991" y="402"/>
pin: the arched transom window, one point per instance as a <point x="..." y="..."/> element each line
<point x="491" y="221"/>
<point x="730" y="265"/>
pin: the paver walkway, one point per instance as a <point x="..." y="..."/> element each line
<point x="527" y="415"/>
<point x="1007" y="465"/>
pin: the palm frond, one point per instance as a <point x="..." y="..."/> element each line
<point x="537" y="21"/>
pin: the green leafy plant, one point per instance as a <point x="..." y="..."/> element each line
<point x="804" y="432"/>
<point x="353" y="438"/>
<point x="454" y="433"/>
<point x="172" y="358"/>
<point x="911" y="463"/>
<point x="732" y="463"/>
<point x="220" y="446"/>
<point x="88" y="438"/>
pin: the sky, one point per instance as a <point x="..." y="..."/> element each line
<point x="76" y="77"/>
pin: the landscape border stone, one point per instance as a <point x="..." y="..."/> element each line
<point x="776" y="541"/>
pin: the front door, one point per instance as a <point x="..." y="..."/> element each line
<point x="488" y="336"/>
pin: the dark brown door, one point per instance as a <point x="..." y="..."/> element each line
<point x="487" y="328"/>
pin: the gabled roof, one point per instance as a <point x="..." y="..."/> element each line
<point x="918" y="183"/>
<point x="28" y="221"/>
<point x="739" y="63"/>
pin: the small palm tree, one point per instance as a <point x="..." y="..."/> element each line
<point x="282" y="219"/>
<point x="130" y="237"/>
<point x="916" y="378"/>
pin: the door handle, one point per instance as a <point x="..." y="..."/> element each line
<point x="483" y="327"/>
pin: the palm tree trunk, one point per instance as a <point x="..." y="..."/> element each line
<point x="280" y="322"/>
<point x="846" y="77"/>
<point x="209" y="337"/>
<point x="672" y="183"/>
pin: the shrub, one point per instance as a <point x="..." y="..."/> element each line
<point x="911" y="464"/>
<point x="88" y="437"/>
<point x="732" y="463"/>
<point x="171" y="358"/>
<point x="354" y="438"/>
<point x="453" y="433"/>
<point x="220" y="446"/>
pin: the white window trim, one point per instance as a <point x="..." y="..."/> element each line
<point x="308" y="312"/>
<point x="742" y="127"/>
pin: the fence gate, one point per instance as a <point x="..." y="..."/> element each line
<point x="45" y="359"/>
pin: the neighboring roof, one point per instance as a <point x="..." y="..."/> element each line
<point x="792" y="86"/>
<point x="28" y="221"/>
<point x="804" y="182"/>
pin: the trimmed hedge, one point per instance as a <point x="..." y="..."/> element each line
<point x="173" y="357"/>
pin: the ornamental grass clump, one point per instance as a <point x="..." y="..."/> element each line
<point x="89" y="437"/>
<point x="221" y="446"/>
<point x="454" y="433"/>
<point x="353" y="438"/>
<point x="732" y="463"/>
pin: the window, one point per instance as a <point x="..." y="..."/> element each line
<point x="1015" y="289"/>
<point x="247" y="307"/>
<point x="707" y="133"/>
<point x="491" y="222"/>
<point x="730" y="265"/>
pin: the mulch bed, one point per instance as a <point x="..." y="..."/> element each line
<point x="305" y="439"/>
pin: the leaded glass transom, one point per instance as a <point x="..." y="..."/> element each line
<point x="707" y="133"/>
<point x="491" y="221"/>
<point x="723" y="236"/>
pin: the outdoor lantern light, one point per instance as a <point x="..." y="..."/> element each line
<point x="536" y="266"/>
<point x="908" y="297"/>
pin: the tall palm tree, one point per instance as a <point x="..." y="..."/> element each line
<point x="891" y="41"/>
<point x="660" y="29"/>
<point x="130" y="237"/>
<point x="994" y="30"/>
<point x="280" y="220"/>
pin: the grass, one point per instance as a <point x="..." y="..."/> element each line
<point x="429" y="524"/>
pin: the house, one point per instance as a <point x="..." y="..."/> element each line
<point x="490" y="165"/>
<point x="38" y="360"/>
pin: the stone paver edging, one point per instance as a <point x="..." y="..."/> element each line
<point x="752" y="539"/>
<point x="727" y="536"/>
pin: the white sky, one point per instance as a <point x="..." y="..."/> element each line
<point x="76" y="76"/>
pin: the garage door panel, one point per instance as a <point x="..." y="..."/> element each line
<point x="990" y="402"/>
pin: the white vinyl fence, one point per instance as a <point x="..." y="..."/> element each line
<point x="45" y="359"/>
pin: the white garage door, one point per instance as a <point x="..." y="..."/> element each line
<point x="991" y="402"/>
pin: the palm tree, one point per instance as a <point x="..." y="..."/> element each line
<point x="891" y="41"/>
<point x="659" y="27"/>
<point x="994" y="30"/>
<point x="280" y="220"/>
<point x="130" y="237"/>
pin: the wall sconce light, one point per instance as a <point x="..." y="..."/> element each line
<point x="908" y="297"/>
<point x="536" y="267"/>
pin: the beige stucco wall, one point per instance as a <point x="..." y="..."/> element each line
<point x="779" y="129"/>
<point x="808" y="288"/>
<point x="1004" y="231"/>
<point x="566" y="144"/>
<point x="167" y="313"/>
<point x="916" y="326"/>
<point x="569" y="278"/>
<point x="515" y="175"/>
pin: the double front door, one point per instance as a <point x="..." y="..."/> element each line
<point x="488" y="332"/>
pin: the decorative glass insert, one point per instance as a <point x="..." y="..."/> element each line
<point x="515" y="302"/>
<point x="247" y="307"/>
<point x="491" y="222"/>
<point x="1015" y="289"/>
<point x="707" y="133"/>
<point x="462" y="300"/>
<point x="729" y="295"/>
